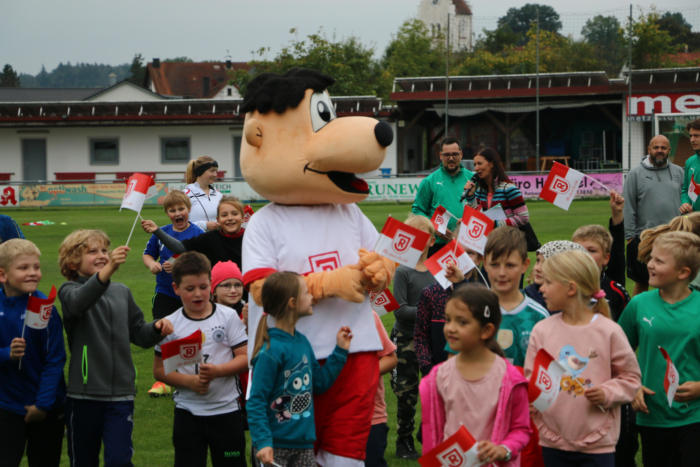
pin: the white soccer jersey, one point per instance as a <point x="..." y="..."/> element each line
<point x="203" y="206"/>
<point x="222" y="330"/>
<point x="306" y="239"/>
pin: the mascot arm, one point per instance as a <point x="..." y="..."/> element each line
<point x="377" y="271"/>
<point x="255" y="290"/>
<point x="345" y="282"/>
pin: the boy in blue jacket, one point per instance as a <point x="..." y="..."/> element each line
<point x="32" y="392"/>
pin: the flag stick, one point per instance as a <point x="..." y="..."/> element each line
<point x="24" y="326"/>
<point x="599" y="183"/>
<point x="138" y="214"/>
<point x="482" y="276"/>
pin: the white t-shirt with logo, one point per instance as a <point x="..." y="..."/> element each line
<point x="306" y="239"/>
<point x="223" y="331"/>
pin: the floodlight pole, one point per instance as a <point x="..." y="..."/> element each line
<point x="537" y="92"/>
<point x="629" y="93"/>
<point x="447" y="75"/>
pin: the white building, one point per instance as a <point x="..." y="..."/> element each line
<point x="434" y="14"/>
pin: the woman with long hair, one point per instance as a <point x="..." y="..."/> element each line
<point x="200" y="175"/>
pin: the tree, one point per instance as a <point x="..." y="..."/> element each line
<point x="519" y="20"/>
<point x="606" y="36"/>
<point x="9" y="77"/>
<point x="650" y="44"/>
<point x="137" y="70"/>
<point x="499" y="39"/>
<point x="676" y="26"/>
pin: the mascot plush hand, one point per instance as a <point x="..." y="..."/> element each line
<point x="298" y="155"/>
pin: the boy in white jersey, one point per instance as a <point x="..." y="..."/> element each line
<point x="207" y="412"/>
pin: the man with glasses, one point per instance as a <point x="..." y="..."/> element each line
<point x="443" y="187"/>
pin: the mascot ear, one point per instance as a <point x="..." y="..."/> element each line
<point x="254" y="132"/>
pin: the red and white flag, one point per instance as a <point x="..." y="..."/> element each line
<point x="137" y="190"/>
<point x="451" y="253"/>
<point x="474" y="229"/>
<point x="39" y="310"/>
<point x="383" y="302"/>
<point x="671" y="378"/>
<point x="401" y="243"/>
<point x="561" y="185"/>
<point x="247" y="212"/>
<point x="182" y="352"/>
<point x="459" y="450"/>
<point x="693" y="189"/>
<point x="440" y="219"/>
<point x="545" y="381"/>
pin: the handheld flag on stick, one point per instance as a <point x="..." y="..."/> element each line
<point x="561" y="185"/>
<point x="401" y="243"/>
<point x="137" y="190"/>
<point x="440" y="219"/>
<point x="247" y="212"/>
<point x="671" y="378"/>
<point x="383" y="302"/>
<point x="451" y="253"/>
<point x="39" y="310"/>
<point x="459" y="450"/>
<point x="474" y="229"/>
<point x="693" y="189"/>
<point x="182" y="352"/>
<point x="545" y="381"/>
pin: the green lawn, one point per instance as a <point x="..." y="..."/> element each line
<point x="153" y="417"/>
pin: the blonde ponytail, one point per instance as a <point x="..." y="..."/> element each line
<point x="261" y="335"/>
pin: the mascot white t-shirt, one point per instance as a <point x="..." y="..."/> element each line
<point x="306" y="239"/>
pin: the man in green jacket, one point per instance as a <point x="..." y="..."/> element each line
<point x="444" y="187"/>
<point x="690" y="192"/>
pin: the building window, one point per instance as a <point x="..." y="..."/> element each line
<point x="174" y="150"/>
<point x="104" y="151"/>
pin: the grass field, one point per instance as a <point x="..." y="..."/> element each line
<point x="153" y="417"/>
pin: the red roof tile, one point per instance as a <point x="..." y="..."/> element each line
<point x="461" y="7"/>
<point x="193" y="80"/>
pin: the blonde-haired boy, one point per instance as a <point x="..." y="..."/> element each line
<point x="101" y="320"/>
<point x="668" y="317"/>
<point x="32" y="392"/>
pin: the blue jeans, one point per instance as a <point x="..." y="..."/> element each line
<point x="558" y="458"/>
<point x="92" y="423"/>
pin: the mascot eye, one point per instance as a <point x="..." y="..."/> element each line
<point x="296" y="384"/>
<point x="306" y="379"/>
<point x="321" y="110"/>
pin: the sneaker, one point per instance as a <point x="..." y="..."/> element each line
<point x="159" y="389"/>
<point x="405" y="449"/>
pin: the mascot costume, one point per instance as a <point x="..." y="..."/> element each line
<point x="298" y="155"/>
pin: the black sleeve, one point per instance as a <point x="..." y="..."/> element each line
<point x="616" y="265"/>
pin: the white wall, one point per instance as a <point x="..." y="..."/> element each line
<point x="460" y="26"/>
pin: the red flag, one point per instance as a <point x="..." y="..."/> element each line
<point x="671" y="378"/>
<point x="693" y="189"/>
<point x="545" y="381"/>
<point x="474" y="229"/>
<point x="561" y="185"/>
<point x="440" y="219"/>
<point x="383" y="302"/>
<point x="137" y="188"/>
<point x="247" y="212"/>
<point x="401" y="243"/>
<point x="459" y="450"/>
<point x="182" y="352"/>
<point x="450" y="253"/>
<point x="39" y="310"/>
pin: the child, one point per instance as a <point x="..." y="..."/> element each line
<point x="408" y="285"/>
<point x="582" y="425"/>
<point x="478" y="388"/>
<point x="207" y="411"/>
<point x="545" y="251"/>
<point x="505" y="261"/>
<point x="429" y="339"/>
<point x="101" y="320"/>
<point x="156" y="255"/>
<point x="376" y="442"/>
<point x="222" y="244"/>
<point x="668" y="317"/>
<point x="286" y="374"/>
<point x="32" y="392"/>
<point x="227" y="286"/>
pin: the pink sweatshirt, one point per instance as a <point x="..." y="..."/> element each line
<point x="512" y="423"/>
<point x="595" y="355"/>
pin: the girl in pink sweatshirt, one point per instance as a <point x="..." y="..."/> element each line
<point x="581" y="427"/>
<point x="477" y="388"/>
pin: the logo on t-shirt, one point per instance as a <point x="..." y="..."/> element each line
<point x="325" y="261"/>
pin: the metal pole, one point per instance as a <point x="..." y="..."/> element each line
<point x="537" y="93"/>
<point x="447" y="74"/>
<point x="629" y="92"/>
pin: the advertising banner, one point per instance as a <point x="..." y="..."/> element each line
<point x="80" y="194"/>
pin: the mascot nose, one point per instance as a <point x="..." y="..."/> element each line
<point x="384" y="134"/>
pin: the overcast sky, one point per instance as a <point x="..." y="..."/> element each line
<point x="43" y="32"/>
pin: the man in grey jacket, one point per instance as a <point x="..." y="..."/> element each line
<point x="652" y="197"/>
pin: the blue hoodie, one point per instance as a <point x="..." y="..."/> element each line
<point x="40" y="380"/>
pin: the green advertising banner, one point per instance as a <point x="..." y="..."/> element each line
<point x="77" y="194"/>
